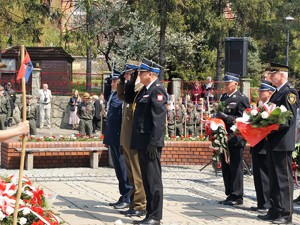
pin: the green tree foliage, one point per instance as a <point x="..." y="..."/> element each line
<point x="24" y="22"/>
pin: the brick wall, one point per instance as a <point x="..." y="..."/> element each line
<point x="192" y="153"/>
<point x="174" y="153"/>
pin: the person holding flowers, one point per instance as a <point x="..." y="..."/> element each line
<point x="280" y="145"/>
<point x="260" y="170"/>
<point x="234" y="103"/>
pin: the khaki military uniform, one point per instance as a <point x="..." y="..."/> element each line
<point x="32" y="113"/>
<point x="138" y="198"/>
<point x="197" y="124"/>
<point x="85" y="112"/>
<point x="190" y="120"/>
<point x="179" y="117"/>
<point x="5" y="112"/>
<point x="171" y="122"/>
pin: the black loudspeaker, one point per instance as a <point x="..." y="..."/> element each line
<point x="236" y="51"/>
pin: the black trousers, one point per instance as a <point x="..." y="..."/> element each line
<point x="281" y="182"/>
<point x="261" y="180"/>
<point x="151" y="175"/>
<point x="233" y="173"/>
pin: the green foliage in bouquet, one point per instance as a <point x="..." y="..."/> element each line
<point x="263" y="116"/>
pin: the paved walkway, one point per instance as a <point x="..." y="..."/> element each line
<point x="81" y="196"/>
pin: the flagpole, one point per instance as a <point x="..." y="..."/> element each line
<point x="22" y="160"/>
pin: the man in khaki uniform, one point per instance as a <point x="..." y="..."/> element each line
<point x="5" y="109"/>
<point x="85" y="113"/>
<point x="138" y="197"/>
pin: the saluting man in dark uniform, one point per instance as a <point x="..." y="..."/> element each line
<point x="235" y="103"/>
<point x="280" y="145"/>
<point x="148" y="132"/>
<point x="259" y="161"/>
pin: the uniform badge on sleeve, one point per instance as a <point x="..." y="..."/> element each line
<point x="160" y="97"/>
<point x="291" y="98"/>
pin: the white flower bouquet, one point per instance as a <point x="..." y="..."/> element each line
<point x="256" y="124"/>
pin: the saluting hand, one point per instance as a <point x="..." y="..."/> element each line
<point x="152" y="151"/>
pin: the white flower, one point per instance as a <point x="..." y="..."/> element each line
<point x="26" y="211"/>
<point x="9" y="210"/>
<point x="2" y="216"/>
<point x="254" y="112"/>
<point x="213" y="126"/>
<point x="23" y="220"/>
<point x="233" y="128"/>
<point x="246" y="117"/>
<point x="282" y="108"/>
<point x="264" y="115"/>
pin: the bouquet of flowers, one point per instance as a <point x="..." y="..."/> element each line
<point x="59" y="138"/>
<point x="32" y="204"/>
<point x="257" y="123"/>
<point x="217" y="134"/>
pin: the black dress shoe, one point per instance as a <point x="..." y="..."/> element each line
<point x="234" y="202"/>
<point x="150" y="222"/>
<point x="283" y="220"/>
<point x="126" y="211"/>
<point x="268" y="217"/>
<point x="140" y="221"/>
<point x="225" y="200"/>
<point x="138" y="213"/>
<point x="114" y="203"/>
<point x="258" y="209"/>
<point x="122" y="205"/>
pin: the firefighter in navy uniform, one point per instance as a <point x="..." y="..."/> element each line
<point x="148" y="132"/>
<point x="280" y="145"/>
<point x="235" y="103"/>
<point x="259" y="158"/>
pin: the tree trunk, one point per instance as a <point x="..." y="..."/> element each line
<point x="162" y="37"/>
<point x="88" y="86"/>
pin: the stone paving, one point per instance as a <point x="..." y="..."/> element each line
<point x="80" y="196"/>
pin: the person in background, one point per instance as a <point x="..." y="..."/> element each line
<point x="5" y="109"/>
<point x="208" y="90"/>
<point x="179" y="119"/>
<point x="170" y="120"/>
<point x="97" y="115"/>
<point x="32" y="113"/>
<point x="73" y="105"/>
<point x="85" y="113"/>
<point x="11" y="95"/>
<point x="196" y="92"/>
<point x="45" y="98"/>
<point x="190" y="119"/>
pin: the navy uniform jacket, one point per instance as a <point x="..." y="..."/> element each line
<point x="149" y="121"/>
<point x="284" y="138"/>
<point x="113" y="121"/>
<point x="234" y="107"/>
